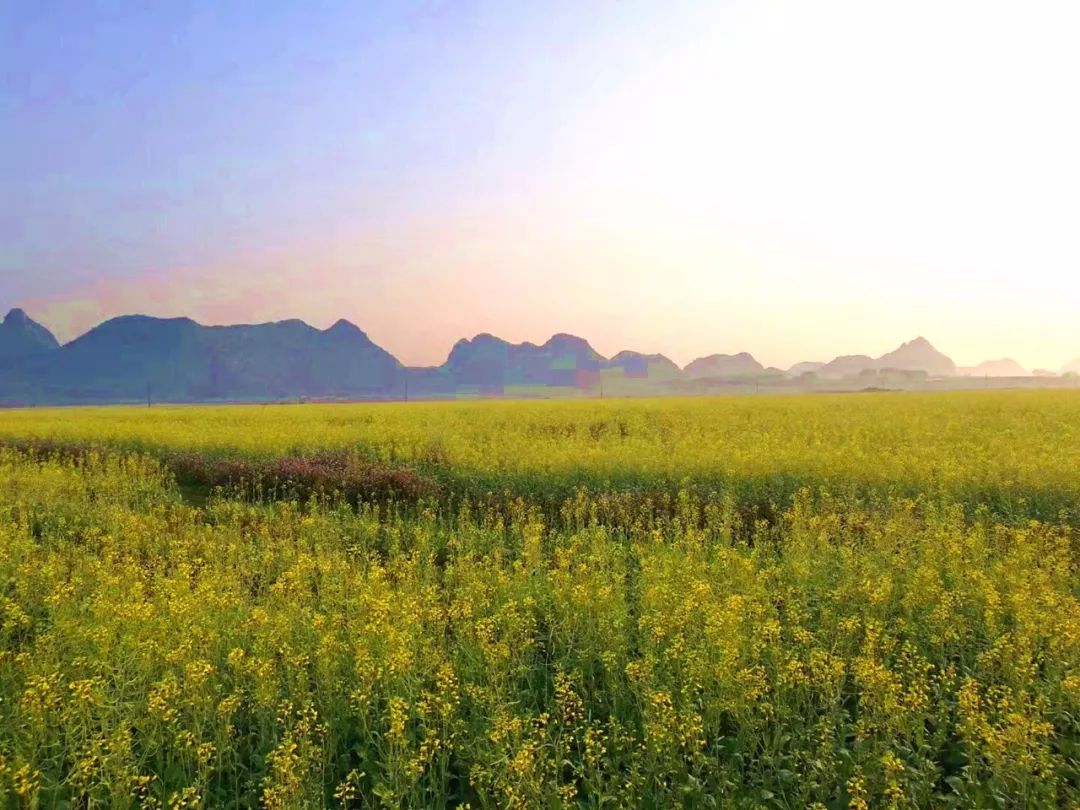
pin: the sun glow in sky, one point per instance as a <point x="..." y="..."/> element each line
<point x="797" y="180"/>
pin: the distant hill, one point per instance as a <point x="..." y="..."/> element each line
<point x="22" y="337"/>
<point x="1071" y="368"/>
<point x="1006" y="367"/>
<point x="804" y="368"/>
<point x="847" y="365"/>
<point x="135" y="357"/>
<point x="719" y="366"/>
<point x="635" y="365"/>
<point x="918" y="355"/>
<point x="915" y="355"/>
<point x="492" y="364"/>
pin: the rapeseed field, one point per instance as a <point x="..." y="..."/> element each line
<point x="774" y="602"/>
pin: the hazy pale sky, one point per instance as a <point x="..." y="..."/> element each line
<point x="793" y="179"/>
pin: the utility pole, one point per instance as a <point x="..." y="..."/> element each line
<point x="149" y="399"/>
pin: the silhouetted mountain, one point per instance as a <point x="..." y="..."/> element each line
<point x="22" y="337"/>
<point x="848" y="365"/>
<point x="635" y="365"/>
<point x="177" y="360"/>
<point x="915" y="355"/>
<point x="995" y="368"/>
<point x="720" y="366"/>
<point x="918" y="355"/>
<point x="804" y="367"/>
<point x="491" y="364"/>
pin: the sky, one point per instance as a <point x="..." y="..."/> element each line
<point x="797" y="180"/>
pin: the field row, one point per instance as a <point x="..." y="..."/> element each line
<point x="1016" y="453"/>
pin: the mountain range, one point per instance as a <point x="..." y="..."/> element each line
<point x="133" y="358"/>
<point x="138" y="358"/>
<point x="917" y="355"/>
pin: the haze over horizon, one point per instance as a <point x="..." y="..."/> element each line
<point x="790" y="180"/>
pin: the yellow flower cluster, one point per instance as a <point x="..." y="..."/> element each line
<point x="785" y="603"/>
